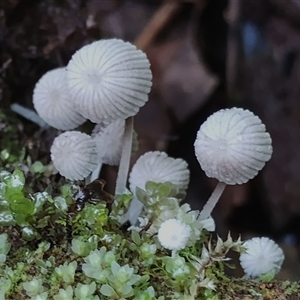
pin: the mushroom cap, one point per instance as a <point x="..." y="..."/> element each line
<point x="262" y="256"/>
<point x="109" y="140"/>
<point x="74" y="155"/>
<point x="159" y="167"/>
<point x="174" y="234"/>
<point x="232" y="145"/>
<point x="109" y="80"/>
<point x="53" y="102"/>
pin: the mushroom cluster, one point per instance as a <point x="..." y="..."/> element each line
<point x="106" y="82"/>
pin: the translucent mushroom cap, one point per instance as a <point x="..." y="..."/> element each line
<point x="109" y="140"/>
<point x="109" y="79"/>
<point x="262" y="256"/>
<point x="159" y="167"/>
<point x="53" y="102"/>
<point x="232" y="145"/>
<point x="74" y="155"/>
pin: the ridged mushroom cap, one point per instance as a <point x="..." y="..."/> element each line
<point x="159" y="167"/>
<point x="174" y="234"/>
<point x="109" y="140"/>
<point x="262" y="256"/>
<point x="74" y="155"/>
<point x="232" y="145"/>
<point x="53" y="102"/>
<point x="109" y="79"/>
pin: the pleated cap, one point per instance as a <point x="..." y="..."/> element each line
<point x="159" y="167"/>
<point x="109" y="79"/>
<point x="53" y="102"/>
<point x="262" y="256"/>
<point x="74" y="155"/>
<point x="232" y="145"/>
<point x="173" y="234"/>
<point x="109" y="139"/>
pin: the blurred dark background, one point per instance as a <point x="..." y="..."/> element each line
<point x="205" y="55"/>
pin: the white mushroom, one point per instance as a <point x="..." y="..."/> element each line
<point x="174" y="234"/>
<point x="262" y="256"/>
<point x="111" y="80"/>
<point x="158" y="167"/>
<point x="232" y="145"/>
<point x="53" y="102"/>
<point x="74" y="155"/>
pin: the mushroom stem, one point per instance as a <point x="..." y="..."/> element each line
<point x="94" y="175"/>
<point x="125" y="158"/>
<point x="28" y="114"/>
<point x="212" y="201"/>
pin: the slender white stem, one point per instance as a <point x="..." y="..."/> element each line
<point x="125" y="158"/>
<point x="134" y="210"/>
<point x="212" y="201"/>
<point x="94" y="175"/>
<point x="28" y="114"/>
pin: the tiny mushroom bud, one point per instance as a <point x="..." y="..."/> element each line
<point x="174" y="234"/>
<point x="262" y="256"/>
<point x="53" y="102"/>
<point x="158" y="167"/>
<point x="232" y="145"/>
<point x="74" y="155"/>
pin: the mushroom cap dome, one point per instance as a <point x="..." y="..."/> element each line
<point x="262" y="256"/>
<point x="159" y="167"/>
<point x="53" y="102"/>
<point x="174" y="234"/>
<point x="109" y="80"/>
<point x="109" y="140"/>
<point x="232" y="145"/>
<point x="74" y="155"/>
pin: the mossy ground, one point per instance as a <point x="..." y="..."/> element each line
<point x="240" y="289"/>
<point x="16" y="147"/>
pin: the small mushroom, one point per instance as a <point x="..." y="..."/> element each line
<point x="158" y="167"/>
<point x="74" y="155"/>
<point x="262" y="256"/>
<point x="174" y="234"/>
<point x="109" y="80"/>
<point x="232" y="145"/>
<point x="53" y="102"/>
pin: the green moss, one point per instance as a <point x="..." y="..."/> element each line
<point x="54" y="248"/>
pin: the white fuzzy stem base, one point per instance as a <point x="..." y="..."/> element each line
<point x="212" y="201"/>
<point x="125" y="158"/>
